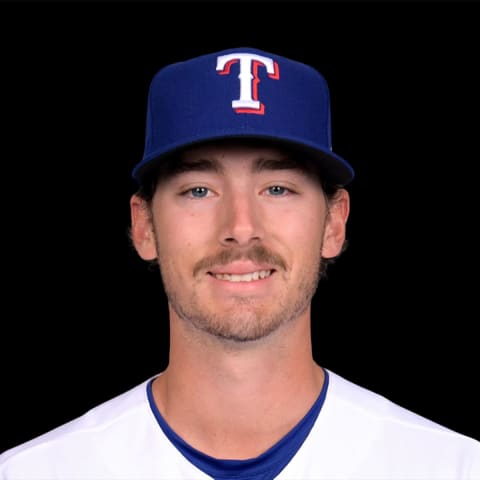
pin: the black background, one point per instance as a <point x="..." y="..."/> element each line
<point x="83" y="318"/>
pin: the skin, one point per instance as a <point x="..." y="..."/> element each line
<point x="241" y="364"/>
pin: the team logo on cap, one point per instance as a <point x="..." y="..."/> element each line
<point x="248" y="76"/>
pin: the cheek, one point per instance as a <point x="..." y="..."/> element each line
<point x="303" y="229"/>
<point x="299" y="240"/>
<point x="179" y="236"/>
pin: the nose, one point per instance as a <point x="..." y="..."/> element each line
<point x="241" y="222"/>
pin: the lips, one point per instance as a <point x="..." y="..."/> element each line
<point x="243" y="277"/>
<point x="242" y="272"/>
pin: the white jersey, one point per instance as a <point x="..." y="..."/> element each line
<point x="355" y="434"/>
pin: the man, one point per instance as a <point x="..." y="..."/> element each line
<point x="242" y="203"/>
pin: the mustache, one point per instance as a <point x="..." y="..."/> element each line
<point x="256" y="254"/>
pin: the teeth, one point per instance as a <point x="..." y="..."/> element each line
<point x="245" y="277"/>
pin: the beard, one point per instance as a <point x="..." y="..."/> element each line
<point x="244" y="318"/>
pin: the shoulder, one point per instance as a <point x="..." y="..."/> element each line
<point x="363" y="405"/>
<point x="87" y="434"/>
<point x="362" y="402"/>
<point x="383" y="439"/>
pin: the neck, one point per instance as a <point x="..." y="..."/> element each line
<point x="218" y="396"/>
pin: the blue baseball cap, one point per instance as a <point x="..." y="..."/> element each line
<point x="241" y="93"/>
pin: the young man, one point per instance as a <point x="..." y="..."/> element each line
<point x="242" y="203"/>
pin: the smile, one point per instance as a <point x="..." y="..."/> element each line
<point x="244" y="277"/>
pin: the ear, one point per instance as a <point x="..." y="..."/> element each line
<point x="335" y="227"/>
<point x="142" y="234"/>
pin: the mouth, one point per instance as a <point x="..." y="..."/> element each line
<point x="243" y="277"/>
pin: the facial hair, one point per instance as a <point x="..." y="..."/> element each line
<point x="247" y="319"/>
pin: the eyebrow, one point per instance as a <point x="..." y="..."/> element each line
<point x="197" y="165"/>
<point x="212" y="165"/>
<point x="272" y="164"/>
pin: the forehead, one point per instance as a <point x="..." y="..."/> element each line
<point x="257" y="155"/>
<point x="206" y="157"/>
<point x="222" y="156"/>
<point x="224" y="150"/>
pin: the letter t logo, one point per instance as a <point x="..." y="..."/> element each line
<point x="248" y="76"/>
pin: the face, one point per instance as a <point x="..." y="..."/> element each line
<point x="239" y="233"/>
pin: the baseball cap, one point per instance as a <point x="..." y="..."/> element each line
<point x="241" y="93"/>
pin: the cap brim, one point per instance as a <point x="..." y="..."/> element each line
<point x="333" y="168"/>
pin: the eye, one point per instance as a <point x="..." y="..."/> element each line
<point x="197" y="192"/>
<point x="277" y="190"/>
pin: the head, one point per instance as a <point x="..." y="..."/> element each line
<point x="242" y="224"/>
